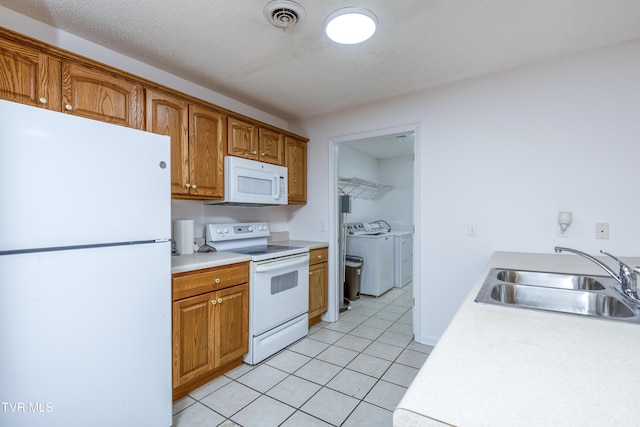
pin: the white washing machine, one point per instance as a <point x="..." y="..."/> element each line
<point x="377" y="268"/>
<point x="402" y="258"/>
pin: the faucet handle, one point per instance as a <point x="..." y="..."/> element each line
<point x="622" y="264"/>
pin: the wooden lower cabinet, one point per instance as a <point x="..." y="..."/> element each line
<point x="210" y="328"/>
<point x="318" y="284"/>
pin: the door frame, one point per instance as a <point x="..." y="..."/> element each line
<point x="334" y="144"/>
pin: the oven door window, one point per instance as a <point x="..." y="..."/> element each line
<point x="284" y="282"/>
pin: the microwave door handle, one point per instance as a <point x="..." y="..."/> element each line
<point x="276" y="183"/>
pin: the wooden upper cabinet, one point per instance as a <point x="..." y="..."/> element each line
<point x="207" y="137"/>
<point x="198" y="137"/>
<point x="242" y="139"/>
<point x="29" y="76"/>
<point x="296" y="163"/>
<point x="250" y="141"/>
<point x="168" y="115"/>
<point x="99" y="95"/>
<point x="271" y="147"/>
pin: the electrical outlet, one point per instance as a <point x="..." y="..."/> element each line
<point x="602" y="230"/>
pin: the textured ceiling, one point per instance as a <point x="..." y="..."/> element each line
<point x="229" y="47"/>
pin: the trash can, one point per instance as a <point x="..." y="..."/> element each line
<point x="353" y="268"/>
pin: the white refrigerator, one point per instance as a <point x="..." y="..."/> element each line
<point x="85" y="272"/>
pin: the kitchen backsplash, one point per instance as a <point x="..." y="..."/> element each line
<point x="276" y="216"/>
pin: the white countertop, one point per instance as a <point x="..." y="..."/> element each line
<point x="197" y="261"/>
<point x="506" y="366"/>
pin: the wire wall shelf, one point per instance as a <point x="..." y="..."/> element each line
<point x="359" y="188"/>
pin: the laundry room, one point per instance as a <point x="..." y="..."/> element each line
<point x="376" y="178"/>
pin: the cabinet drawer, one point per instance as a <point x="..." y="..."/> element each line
<point x="317" y="256"/>
<point x="196" y="282"/>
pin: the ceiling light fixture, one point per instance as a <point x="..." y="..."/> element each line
<point x="350" y="25"/>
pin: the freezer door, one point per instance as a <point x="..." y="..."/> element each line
<point x="86" y="337"/>
<point x="66" y="180"/>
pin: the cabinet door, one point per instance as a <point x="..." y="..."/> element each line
<point x="98" y="95"/>
<point x="29" y="77"/>
<point x="231" y="322"/>
<point x="167" y="115"/>
<point x="242" y="140"/>
<point x="207" y="139"/>
<point x="318" y="275"/>
<point x="193" y="339"/>
<point x="271" y="147"/>
<point x="297" y="170"/>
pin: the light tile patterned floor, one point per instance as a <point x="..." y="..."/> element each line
<point x="352" y="372"/>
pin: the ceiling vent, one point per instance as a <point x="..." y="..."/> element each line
<point x="284" y="13"/>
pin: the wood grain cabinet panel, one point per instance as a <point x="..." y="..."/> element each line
<point x="296" y="163"/>
<point x="271" y="146"/>
<point x="193" y="339"/>
<point x="210" y="324"/>
<point x="207" y="137"/>
<point x="231" y="322"/>
<point x="29" y="76"/>
<point x="99" y="95"/>
<point x="169" y="115"/>
<point x="242" y="139"/>
<point x="198" y="138"/>
<point x="318" y="284"/>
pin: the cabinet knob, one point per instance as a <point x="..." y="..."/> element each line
<point x="319" y="256"/>
<point x="217" y="280"/>
<point x="68" y="107"/>
<point x="213" y="302"/>
<point x="254" y="152"/>
<point x="187" y="185"/>
<point x="219" y="300"/>
<point x="193" y="186"/>
<point x="310" y="273"/>
<point x="43" y="100"/>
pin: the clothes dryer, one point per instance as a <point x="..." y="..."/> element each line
<point x="377" y="268"/>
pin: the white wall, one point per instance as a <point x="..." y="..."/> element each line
<point x="276" y="216"/>
<point x="395" y="207"/>
<point x="506" y="152"/>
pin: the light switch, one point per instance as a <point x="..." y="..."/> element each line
<point x="602" y="230"/>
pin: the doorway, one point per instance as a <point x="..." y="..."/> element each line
<point x="383" y="157"/>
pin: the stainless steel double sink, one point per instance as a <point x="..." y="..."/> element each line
<point x="592" y="296"/>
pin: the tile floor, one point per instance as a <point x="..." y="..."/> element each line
<point x="352" y="372"/>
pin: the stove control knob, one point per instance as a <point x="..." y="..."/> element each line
<point x="219" y="230"/>
<point x="250" y="228"/>
<point x="259" y="228"/>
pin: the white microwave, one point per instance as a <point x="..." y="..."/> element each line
<point x="248" y="182"/>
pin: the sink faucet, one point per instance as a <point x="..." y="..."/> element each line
<point x="627" y="277"/>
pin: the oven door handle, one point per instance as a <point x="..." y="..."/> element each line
<point x="261" y="268"/>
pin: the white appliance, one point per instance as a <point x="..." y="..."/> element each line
<point x="248" y="182"/>
<point x="372" y="228"/>
<point x="402" y="258"/>
<point x="377" y="269"/>
<point x="85" y="272"/>
<point x="278" y="290"/>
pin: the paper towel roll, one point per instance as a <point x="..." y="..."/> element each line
<point x="183" y="236"/>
